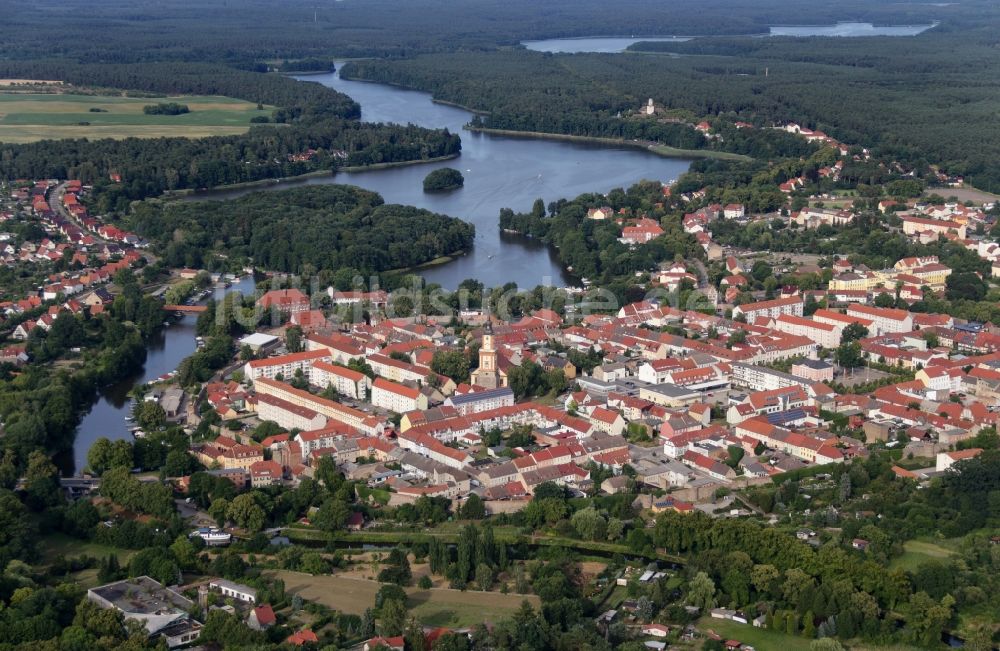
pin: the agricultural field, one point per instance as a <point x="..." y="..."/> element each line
<point x="434" y="607"/>
<point x="32" y="117"/>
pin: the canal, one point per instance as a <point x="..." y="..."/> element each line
<point x="163" y="354"/>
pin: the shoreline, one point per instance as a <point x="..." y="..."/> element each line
<point x="436" y="262"/>
<point x="402" y="163"/>
<point x="413" y="89"/>
<point x="659" y="150"/>
<point x="264" y="183"/>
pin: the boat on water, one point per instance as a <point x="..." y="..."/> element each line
<point x="213" y="536"/>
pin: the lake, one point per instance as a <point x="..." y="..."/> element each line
<point x="163" y="354"/>
<point x="849" y="30"/>
<point x="500" y="172"/>
<point x="616" y="44"/>
<point x="599" y="44"/>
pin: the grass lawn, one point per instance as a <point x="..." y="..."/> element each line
<point x="920" y="551"/>
<point x="435" y="607"/>
<point x="758" y="638"/>
<point x="58" y="545"/>
<point x="31" y="117"/>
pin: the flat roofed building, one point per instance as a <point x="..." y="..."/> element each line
<point x="161" y="611"/>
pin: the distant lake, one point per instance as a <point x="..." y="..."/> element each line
<point x="600" y="44"/>
<point x="849" y="29"/>
<point x="616" y="44"/>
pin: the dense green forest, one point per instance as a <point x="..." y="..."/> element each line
<point x="314" y="227"/>
<point x="310" y="117"/>
<point x="900" y="96"/>
<point x="247" y="32"/>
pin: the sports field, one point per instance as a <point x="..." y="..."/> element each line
<point x="31" y="117"/>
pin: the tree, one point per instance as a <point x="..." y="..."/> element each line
<point x="425" y="583"/>
<point x="178" y="464"/>
<point x="701" y="592"/>
<point x="473" y="509"/>
<point x="761" y="271"/>
<point x="589" y="524"/>
<point x="149" y="415"/>
<point x="367" y="623"/>
<point x="332" y="515"/>
<point x="99" y="456"/>
<point x="392" y="617"/>
<point x="121" y="455"/>
<point x="615" y="529"/>
<point x="853" y="332"/>
<point x="850" y="355"/>
<point x="452" y="642"/>
<point x="808" y="625"/>
<point x="451" y="363"/>
<point x="965" y="285"/>
<point x="484" y="577"/>
<point x="397" y="569"/>
<point x="644" y="608"/>
<point x="41" y="482"/>
<point x="218" y="510"/>
<point x="293" y="339"/>
<point x="413" y="637"/>
<point x="246" y="513"/>
<point x="884" y="300"/>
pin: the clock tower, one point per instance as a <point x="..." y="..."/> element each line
<point x="487" y="374"/>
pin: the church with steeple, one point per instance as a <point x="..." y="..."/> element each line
<point x="488" y="375"/>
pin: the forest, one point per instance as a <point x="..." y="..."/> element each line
<point x="248" y="32"/>
<point x="301" y="229"/>
<point x="888" y="94"/>
<point x="310" y="117"/>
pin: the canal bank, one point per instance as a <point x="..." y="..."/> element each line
<point x="112" y="406"/>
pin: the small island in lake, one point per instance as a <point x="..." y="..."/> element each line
<point x="443" y="180"/>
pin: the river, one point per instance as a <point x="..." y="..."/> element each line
<point x="163" y="354"/>
<point x="500" y="172"/>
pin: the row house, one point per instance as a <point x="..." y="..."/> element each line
<point x="434" y="449"/>
<point x="770" y="309"/>
<point x="329" y="408"/>
<point x="474" y="402"/>
<point x="884" y="320"/>
<point x="825" y="334"/>
<point x="395" y="397"/>
<point x="342" y="349"/>
<point x="768" y="402"/>
<point x="288" y="415"/>
<point x="284" y="365"/>
<point x="324" y="438"/>
<point x="345" y="381"/>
